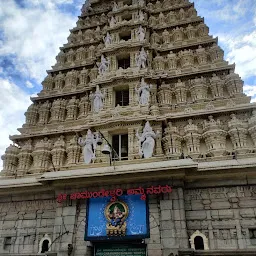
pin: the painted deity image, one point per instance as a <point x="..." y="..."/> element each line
<point x="116" y="213"/>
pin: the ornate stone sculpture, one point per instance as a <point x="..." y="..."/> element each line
<point x="61" y="58"/>
<point x="201" y="55"/>
<point x="97" y="100"/>
<point x="216" y="53"/>
<point x="108" y="39"/>
<point x="25" y="158"/>
<point x="155" y="38"/>
<point x="159" y="63"/>
<point x="103" y="65"/>
<point x="198" y="89"/>
<point x="172" y="61"/>
<point x="58" y="153"/>
<point x="73" y="151"/>
<point x="180" y="92"/>
<point x="141" y="33"/>
<point x="192" y="13"/>
<point x="42" y="155"/>
<point x="186" y="58"/>
<point x="217" y="87"/>
<point x="252" y="127"/>
<point x="146" y="141"/>
<point x="32" y="114"/>
<point x="234" y="84"/>
<point x="44" y="111"/>
<point x="112" y="22"/>
<point x="190" y="32"/>
<point x="202" y="30"/>
<point x="58" y="110"/>
<point x="143" y="92"/>
<point x="83" y="78"/>
<point x="165" y="94"/>
<point x="115" y="7"/>
<point x="171" y="17"/>
<point x="48" y="83"/>
<point x="192" y="138"/>
<point x="172" y="141"/>
<point x="215" y="137"/>
<point x="161" y="19"/>
<point x="10" y="160"/>
<point x="141" y="59"/>
<point x="152" y="21"/>
<point x="178" y="34"/>
<point x="89" y="146"/>
<point x="238" y="133"/>
<point x="72" y="108"/>
<point x="83" y="106"/>
<point x="59" y="81"/>
<point x="166" y="36"/>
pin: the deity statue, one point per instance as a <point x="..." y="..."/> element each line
<point x="103" y="65"/>
<point x="141" y="33"/>
<point x="172" y="60"/>
<point x="166" y="36"/>
<point x="115" y="7"/>
<point x="107" y="39"/>
<point x="141" y="59"/>
<point x="161" y="19"/>
<point x="112" y="22"/>
<point x="116" y="217"/>
<point x="97" y="100"/>
<point x="143" y="92"/>
<point x="147" y="141"/>
<point x="89" y="146"/>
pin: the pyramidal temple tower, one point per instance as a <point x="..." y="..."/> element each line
<point x="141" y="142"/>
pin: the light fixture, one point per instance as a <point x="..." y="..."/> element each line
<point x="106" y="150"/>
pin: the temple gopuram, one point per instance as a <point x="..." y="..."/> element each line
<point x="141" y="142"/>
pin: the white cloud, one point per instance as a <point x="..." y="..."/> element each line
<point x="29" y="85"/>
<point x="14" y="102"/>
<point x="34" y="34"/>
<point x="250" y="90"/>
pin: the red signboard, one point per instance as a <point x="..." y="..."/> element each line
<point x="115" y="193"/>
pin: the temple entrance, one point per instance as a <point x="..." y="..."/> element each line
<point x="120" y="249"/>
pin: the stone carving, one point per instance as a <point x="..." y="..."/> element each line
<point x="42" y="155"/>
<point x="58" y="110"/>
<point x="58" y="153"/>
<point x="198" y="89"/>
<point x="108" y="39"/>
<point x="180" y="92"/>
<point x="217" y="86"/>
<point x="73" y="151"/>
<point x="93" y="73"/>
<point x="10" y="160"/>
<point x="141" y="59"/>
<point x="192" y="138"/>
<point x="186" y="58"/>
<point x="161" y="19"/>
<point x="216" y="53"/>
<point x="59" y="81"/>
<point x="48" y="83"/>
<point x="238" y="133"/>
<point x="252" y="127"/>
<point x="172" y="60"/>
<point x="89" y="146"/>
<point x="190" y="32"/>
<point x="32" y="114"/>
<point x="202" y="30"/>
<point x="141" y="16"/>
<point x="61" y="58"/>
<point x="141" y="33"/>
<point x="201" y="55"/>
<point x="172" y="141"/>
<point x="215" y="137"/>
<point x="171" y="17"/>
<point x="166" y="36"/>
<point x="159" y="63"/>
<point x="165" y="94"/>
<point x="152" y="21"/>
<point x="115" y="7"/>
<point x="80" y="54"/>
<point x="112" y="22"/>
<point x="146" y="141"/>
<point x="83" y="106"/>
<point x="71" y="79"/>
<point x="44" y="112"/>
<point x="103" y="65"/>
<point x="25" y="157"/>
<point x="192" y="13"/>
<point x="83" y="78"/>
<point x="87" y="7"/>
<point x="97" y="100"/>
<point x="143" y="93"/>
<point x="178" y="34"/>
<point x="234" y="84"/>
<point x="72" y="108"/>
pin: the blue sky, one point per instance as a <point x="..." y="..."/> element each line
<point x="31" y="32"/>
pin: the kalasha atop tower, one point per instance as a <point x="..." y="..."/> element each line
<point x="143" y="81"/>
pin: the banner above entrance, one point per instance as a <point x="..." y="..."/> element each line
<point x="125" y="218"/>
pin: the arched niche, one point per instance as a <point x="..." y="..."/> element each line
<point x="199" y="241"/>
<point x="45" y="244"/>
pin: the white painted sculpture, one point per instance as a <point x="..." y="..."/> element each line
<point x="107" y="39"/>
<point x="89" y="146"/>
<point x="97" y="100"/>
<point x="103" y="65"/>
<point x="141" y="59"/>
<point x="146" y="141"/>
<point x="141" y="33"/>
<point x="112" y="22"/>
<point x="143" y="92"/>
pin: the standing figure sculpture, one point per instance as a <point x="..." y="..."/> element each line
<point x="89" y="146"/>
<point x="146" y="141"/>
<point x="141" y="59"/>
<point x="103" y="65"/>
<point x="141" y="33"/>
<point x="97" y="100"/>
<point x="107" y="39"/>
<point x="143" y="92"/>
